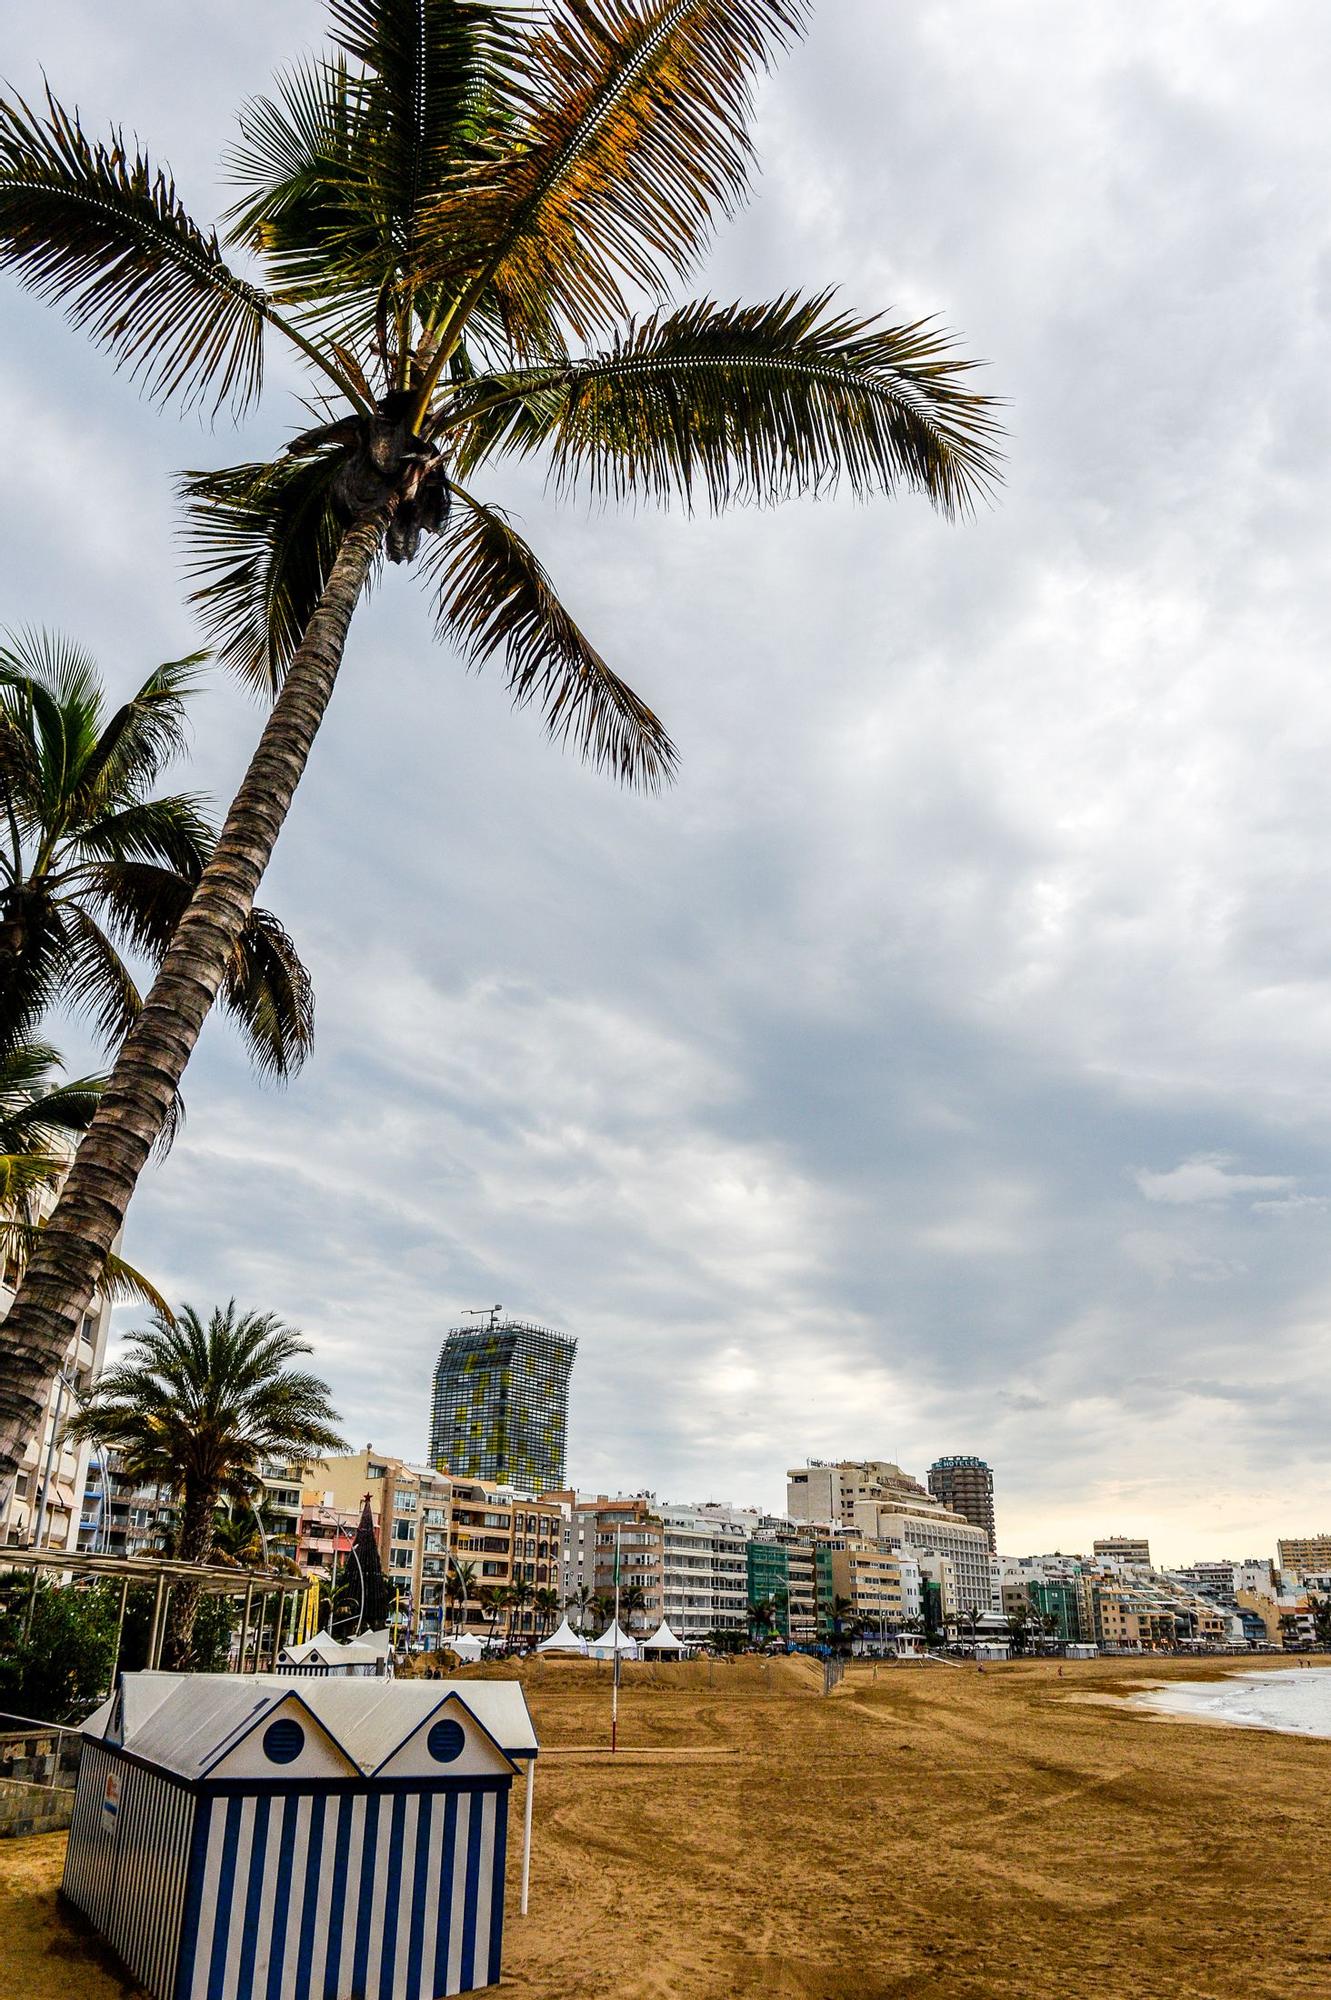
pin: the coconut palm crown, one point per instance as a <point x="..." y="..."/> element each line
<point x="467" y="219"/>
<point x="94" y="861"/>
<point x="198" y="1406"/>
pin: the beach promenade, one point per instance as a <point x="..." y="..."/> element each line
<point x="923" y="1834"/>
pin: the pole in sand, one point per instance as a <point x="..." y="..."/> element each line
<point x="614" y="1681"/>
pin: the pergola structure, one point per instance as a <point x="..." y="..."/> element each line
<point x="164" y="1573"/>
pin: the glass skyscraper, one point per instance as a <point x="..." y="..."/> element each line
<point x="500" y="1404"/>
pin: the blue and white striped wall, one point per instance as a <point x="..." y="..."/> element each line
<point x="388" y="1894"/>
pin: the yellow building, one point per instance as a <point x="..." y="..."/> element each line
<point x="870" y="1580"/>
<point x="1306" y="1555"/>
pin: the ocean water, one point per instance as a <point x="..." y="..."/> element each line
<point x="1293" y="1699"/>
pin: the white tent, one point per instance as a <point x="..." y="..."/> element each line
<point x="663" y="1640"/>
<point x="565" y="1640"/>
<point x="613" y="1641"/>
<point x="465" y="1644"/>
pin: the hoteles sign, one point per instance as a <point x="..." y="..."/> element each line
<point x="240" y="1836"/>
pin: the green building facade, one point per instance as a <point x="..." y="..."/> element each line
<point x="500" y="1405"/>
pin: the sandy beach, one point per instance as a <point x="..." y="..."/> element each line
<point x="922" y="1832"/>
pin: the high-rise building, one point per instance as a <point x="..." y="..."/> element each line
<point x="966" y="1485"/>
<point x="500" y="1405"/>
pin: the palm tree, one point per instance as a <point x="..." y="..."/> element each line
<point x="460" y="1586"/>
<point x="763" y="1615"/>
<point x="546" y="1606"/>
<point x="580" y="1604"/>
<point x="493" y="1598"/>
<point x="632" y="1602"/>
<point x="198" y="1407"/>
<point x="40" y="1121"/>
<point x="452" y="212"/>
<point x="520" y="1594"/>
<point x="92" y="862"/>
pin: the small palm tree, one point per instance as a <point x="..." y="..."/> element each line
<point x="763" y="1616"/>
<point x="493" y="1599"/>
<point x="460" y="1587"/>
<point x="580" y="1605"/>
<point x="199" y="1406"/>
<point x="454" y="213"/>
<point x="520" y="1594"/>
<point x="94" y="862"/>
<point x="632" y="1603"/>
<point x="545" y="1603"/>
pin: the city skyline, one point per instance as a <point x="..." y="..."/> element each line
<point x="939" y="1066"/>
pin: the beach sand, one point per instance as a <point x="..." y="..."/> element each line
<point x="925" y="1834"/>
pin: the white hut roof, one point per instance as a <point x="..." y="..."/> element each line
<point x="663" y="1640"/>
<point x="190" y="1723"/>
<point x="565" y="1640"/>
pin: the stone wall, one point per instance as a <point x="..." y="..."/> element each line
<point x="33" y="1808"/>
<point x="38" y="1769"/>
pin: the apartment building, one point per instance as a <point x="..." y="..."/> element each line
<point x="47" y="1493"/>
<point x="598" y="1526"/>
<point x="922" y="1529"/>
<point x="829" y="1491"/>
<point x="884" y="1590"/>
<point x="124" y="1516"/>
<point x="782" y="1571"/>
<point x="704" y="1572"/>
<point x="1132" y="1549"/>
<point x="434" y="1529"/>
<point x="1305" y="1555"/>
<point x="411" y="1506"/>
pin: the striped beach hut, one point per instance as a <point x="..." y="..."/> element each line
<point x="262" y="1838"/>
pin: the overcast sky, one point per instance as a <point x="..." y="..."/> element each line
<point x="943" y="1064"/>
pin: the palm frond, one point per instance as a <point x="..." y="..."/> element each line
<point x="266" y="985"/>
<point x="145" y="733"/>
<point x="262" y="540"/>
<point x="751" y="403"/>
<point x="496" y="597"/>
<point x="92" y="226"/>
<point x="633" y="145"/>
<point x="171" y="830"/>
<point x="97" y="980"/>
<point x="438" y="82"/>
<point x="306" y="209"/>
<point x="271" y="994"/>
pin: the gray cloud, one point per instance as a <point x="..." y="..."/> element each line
<point x="941" y="1065"/>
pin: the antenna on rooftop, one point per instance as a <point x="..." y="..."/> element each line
<point x="483" y="1312"/>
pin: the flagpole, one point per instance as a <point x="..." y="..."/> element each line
<point x="614" y="1685"/>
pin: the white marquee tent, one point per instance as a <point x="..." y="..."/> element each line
<point x="565" y="1640"/>
<point x="663" y="1640"/>
<point x="613" y="1641"/>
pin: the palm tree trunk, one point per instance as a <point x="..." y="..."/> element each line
<point x="71" y="1252"/>
<point x="194" y="1544"/>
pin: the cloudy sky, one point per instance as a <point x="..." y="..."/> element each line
<point x="943" y="1064"/>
